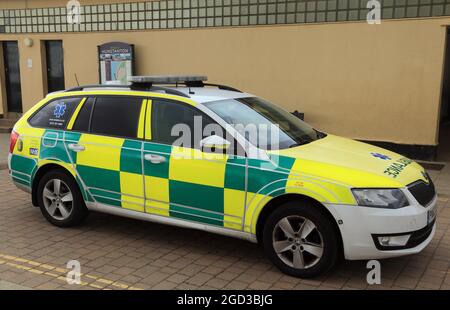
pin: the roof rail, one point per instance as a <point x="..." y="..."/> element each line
<point x="83" y="87"/>
<point x="223" y="87"/>
<point x="131" y="87"/>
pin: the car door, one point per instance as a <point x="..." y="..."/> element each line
<point x="181" y="180"/>
<point x="107" y="155"/>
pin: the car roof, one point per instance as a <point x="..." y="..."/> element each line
<point x="208" y="94"/>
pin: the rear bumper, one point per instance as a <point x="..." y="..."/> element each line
<point x="361" y="227"/>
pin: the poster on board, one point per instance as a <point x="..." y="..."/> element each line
<point x="116" y="62"/>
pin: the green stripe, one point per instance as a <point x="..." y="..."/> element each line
<point x="53" y="147"/>
<point x="27" y="184"/>
<point x="202" y="197"/>
<point x="157" y="170"/>
<point x="235" y="173"/>
<point x="130" y="157"/>
<point x="100" y="178"/>
<point x="22" y="164"/>
<point x="106" y="197"/>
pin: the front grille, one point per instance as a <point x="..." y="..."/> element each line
<point x="423" y="192"/>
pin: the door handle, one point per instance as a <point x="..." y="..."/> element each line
<point x="154" y="159"/>
<point x="76" y="147"/>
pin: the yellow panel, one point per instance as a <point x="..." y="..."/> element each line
<point x="31" y="138"/>
<point x="193" y="166"/>
<point x="101" y="152"/>
<point x="157" y="208"/>
<point x="133" y="203"/>
<point x="75" y="114"/>
<point x="141" y="124"/>
<point x="148" y="121"/>
<point x="132" y="184"/>
<point x="69" y="167"/>
<point x="157" y="189"/>
<point x="255" y="204"/>
<point x="234" y="204"/>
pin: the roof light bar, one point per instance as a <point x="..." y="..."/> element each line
<point x="166" y="79"/>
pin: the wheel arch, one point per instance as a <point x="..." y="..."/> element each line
<point x="270" y="206"/>
<point x="41" y="171"/>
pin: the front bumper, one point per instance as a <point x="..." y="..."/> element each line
<point x="361" y="227"/>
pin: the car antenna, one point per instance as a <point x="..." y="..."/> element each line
<point x="76" y="79"/>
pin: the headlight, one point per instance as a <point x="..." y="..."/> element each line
<point x="380" y="198"/>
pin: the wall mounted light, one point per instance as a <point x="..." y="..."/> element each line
<point x="28" y="42"/>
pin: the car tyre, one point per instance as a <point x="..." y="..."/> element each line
<point x="300" y="239"/>
<point x="60" y="199"/>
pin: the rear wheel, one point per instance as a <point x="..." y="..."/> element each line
<point x="300" y="240"/>
<point x="60" y="199"/>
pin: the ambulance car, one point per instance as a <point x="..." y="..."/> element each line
<point x="308" y="197"/>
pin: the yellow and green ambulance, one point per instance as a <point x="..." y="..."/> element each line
<point x="177" y="150"/>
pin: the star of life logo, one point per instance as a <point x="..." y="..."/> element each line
<point x="380" y="156"/>
<point x="60" y="109"/>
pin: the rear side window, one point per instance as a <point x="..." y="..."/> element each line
<point x="56" y="114"/>
<point x="116" y="116"/>
<point x="84" y="116"/>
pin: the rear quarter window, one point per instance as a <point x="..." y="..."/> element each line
<point x="55" y="114"/>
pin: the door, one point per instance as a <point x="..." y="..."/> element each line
<point x="55" y="65"/>
<point x="108" y="153"/>
<point x="12" y="76"/>
<point x="182" y="181"/>
<point x="443" y="151"/>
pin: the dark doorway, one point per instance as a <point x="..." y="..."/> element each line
<point x="12" y="76"/>
<point x="55" y="65"/>
<point x="444" y="121"/>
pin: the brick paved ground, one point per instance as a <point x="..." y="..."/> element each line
<point x="120" y="253"/>
<point x="4" y="149"/>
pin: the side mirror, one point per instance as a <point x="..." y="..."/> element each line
<point x="214" y="143"/>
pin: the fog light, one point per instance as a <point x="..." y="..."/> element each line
<point x="393" y="240"/>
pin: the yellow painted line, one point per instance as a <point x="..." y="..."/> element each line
<point x="99" y="283"/>
<point x="36" y="271"/>
<point x="148" y="121"/>
<point x="141" y="123"/>
<point x="45" y="266"/>
<point x="105" y="281"/>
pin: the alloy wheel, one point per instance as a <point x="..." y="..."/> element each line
<point x="297" y="242"/>
<point x="58" y="199"/>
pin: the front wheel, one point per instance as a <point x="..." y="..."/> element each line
<point x="60" y="199"/>
<point x="300" y="240"/>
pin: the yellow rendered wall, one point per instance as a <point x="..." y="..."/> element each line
<point x="372" y="82"/>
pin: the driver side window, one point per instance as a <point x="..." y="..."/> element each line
<point x="182" y="125"/>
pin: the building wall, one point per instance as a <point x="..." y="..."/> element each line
<point x="371" y="82"/>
